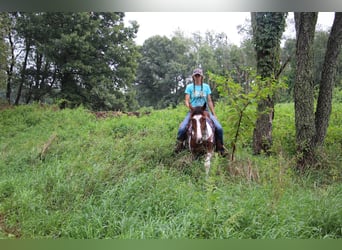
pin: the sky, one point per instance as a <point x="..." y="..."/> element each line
<point x="166" y="23"/>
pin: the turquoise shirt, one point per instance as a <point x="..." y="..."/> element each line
<point x="198" y="97"/>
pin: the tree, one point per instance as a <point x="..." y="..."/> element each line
<point x="311" y="127"/>
<point x="324" y="102"/>
<point x="40" y="75"/>
<point x="267" y="31"/>
<point x="319" y="48"/>
<point x="166" y="65"/>
<point x="241" y="62"/>
<point x="83" y="58"/>
<point x="3" y="49"/>
<point x="304" y="87"/>
<point x="28" y="37"/>
<point x="162" y="71"/>
<point x="288" y="54"/>
<point x="10" y="37"/>
<point x="95" y="56"/>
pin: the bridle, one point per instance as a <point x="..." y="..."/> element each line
<point x="201" y="133"/>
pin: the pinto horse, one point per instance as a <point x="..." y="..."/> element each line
<point x="201" y="135"/>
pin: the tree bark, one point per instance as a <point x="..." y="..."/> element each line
<point x="267" y="31"/>
<point x="304" y="88"/>
<point x="10" y="70"/>
<point x="262" y="136"/>
<point x="23" y="74"/>
<point x="324" y="103"/>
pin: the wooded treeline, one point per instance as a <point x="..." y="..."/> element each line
<point x="76" y="58"/>
<point x="91" y="59"/>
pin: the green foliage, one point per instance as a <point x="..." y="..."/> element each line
<point x="166" y="64"/>
<point x="319" y="49"/>
<point x="243" y="101"/>
<point x="161" y="71"/>
<point x="87" y="58"/>
<point x="91" y="59"/>
<point x="117" y="178"/>
<point x="337" y="95"/>
<point x="268" y="28"/>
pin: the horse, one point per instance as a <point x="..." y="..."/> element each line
<point x="201" y="135"/>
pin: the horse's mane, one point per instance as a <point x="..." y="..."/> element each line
<point x="197" y="111"/>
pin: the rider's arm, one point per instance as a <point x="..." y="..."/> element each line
<point x="187" y="100"/>
<point x="211" y="105"/>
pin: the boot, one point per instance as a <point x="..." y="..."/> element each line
<point x="221" y="149"/>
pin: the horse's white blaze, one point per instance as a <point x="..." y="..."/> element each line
<point x="198" y="128"/>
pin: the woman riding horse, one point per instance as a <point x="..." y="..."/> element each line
<point x="197" y="94"/>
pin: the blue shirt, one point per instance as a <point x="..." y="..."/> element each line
<point x="198" y="96"/>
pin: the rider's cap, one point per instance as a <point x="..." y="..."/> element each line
<point x="197" y="71"/>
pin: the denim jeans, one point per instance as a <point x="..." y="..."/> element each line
<point x="182" y="128"/>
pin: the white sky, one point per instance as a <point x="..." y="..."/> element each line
<point x="165" y="23"/>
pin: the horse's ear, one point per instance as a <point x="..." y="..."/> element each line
<point x="204" y="106"/>
<point x="191" y="108"/>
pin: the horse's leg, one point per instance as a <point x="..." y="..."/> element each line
<point x="207" y="162"/>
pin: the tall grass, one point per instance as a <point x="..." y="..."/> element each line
<point x="67" y="174"/>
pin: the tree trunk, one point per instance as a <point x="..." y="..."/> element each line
<point x="304" y="88"/>
<point x="262" y="136"/>
<point x="268" y="28"/>
<point x="36" y="85"/>
<point x="23" y="74"/>
<point x="324" y="103"/>
<point x="10" y="70"/>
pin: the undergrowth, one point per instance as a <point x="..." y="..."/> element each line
<point x="68" y="174"/>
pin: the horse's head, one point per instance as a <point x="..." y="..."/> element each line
<point x="198" y="123"/>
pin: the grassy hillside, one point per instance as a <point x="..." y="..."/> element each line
<point x="68" y="174"/>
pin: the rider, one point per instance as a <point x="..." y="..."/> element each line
<point x="197" y="94"/>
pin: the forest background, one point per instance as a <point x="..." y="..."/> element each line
<point x="91" y="59"/>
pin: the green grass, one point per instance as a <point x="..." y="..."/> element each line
<point x="67" y="174"/>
